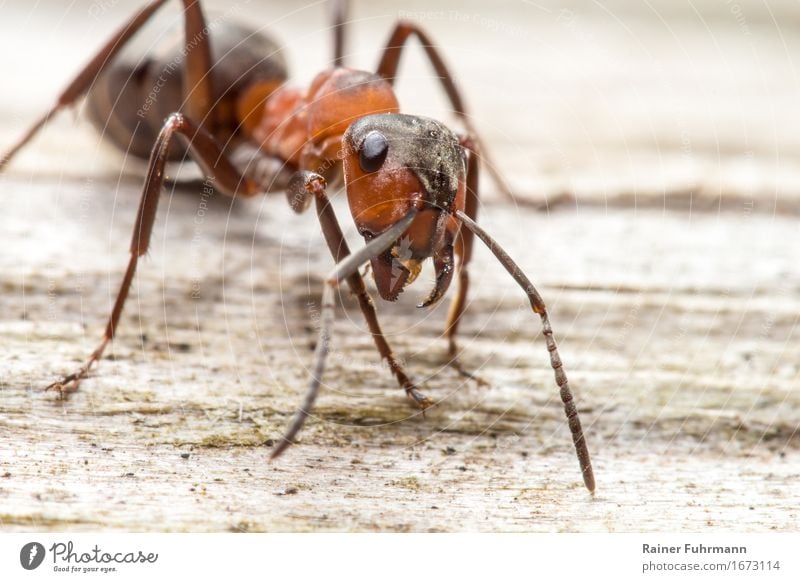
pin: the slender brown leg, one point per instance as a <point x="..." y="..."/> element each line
<point x="344" y="270"/>
<point x="209" y="155"/>
<point x="306" y="184"/>
<point x="464" y="250"/>
<point x="197" y="80"/>
<point x="387" y="68"/>
<point x="537" y="303"/>
<point x="339" y="10"/>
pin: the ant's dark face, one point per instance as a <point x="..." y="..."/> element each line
<point x="394" y="162"/>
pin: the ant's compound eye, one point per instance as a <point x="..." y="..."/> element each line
<point x="373" y="151"/>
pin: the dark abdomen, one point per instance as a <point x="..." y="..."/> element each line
<point x="130" y="100"/>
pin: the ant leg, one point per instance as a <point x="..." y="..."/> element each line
<point x="343" y="270"/>
<point x="196" y="81"/>
<point x="387" y="68"/>
<point x="464" y="250"/>
<point x="537" y="303"/>
<point x="339" y="12"/>
<point x="209" y="155"/>
<point x="302" y="186"/>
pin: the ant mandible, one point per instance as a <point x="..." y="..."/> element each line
<point x="408" y="179"/>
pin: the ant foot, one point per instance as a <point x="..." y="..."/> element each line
<point x="455" y="363"/>
<point x="70" y="383"/>
<point x="419" y="398"/>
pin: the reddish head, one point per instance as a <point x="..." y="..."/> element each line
<point x="391" y="163"/>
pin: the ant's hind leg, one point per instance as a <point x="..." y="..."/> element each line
<point x="197" y="80"/>
<point x="227" y="178"/>
<point x="389" y="64"/>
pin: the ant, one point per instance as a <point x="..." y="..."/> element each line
<point x="411" y="183"/>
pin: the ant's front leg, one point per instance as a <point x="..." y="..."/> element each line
<point x="215" y="162"/>
<point x="302" y="187"/>
<point x="344" y="270"/>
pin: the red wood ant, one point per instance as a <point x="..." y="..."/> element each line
<point x="409" y="180"/>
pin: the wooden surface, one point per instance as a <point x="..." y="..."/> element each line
<point x="668" y="258"/>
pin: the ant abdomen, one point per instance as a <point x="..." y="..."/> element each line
<point x="130" y="99"/>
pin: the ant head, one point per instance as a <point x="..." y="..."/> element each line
<point x="393" y="162"/>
